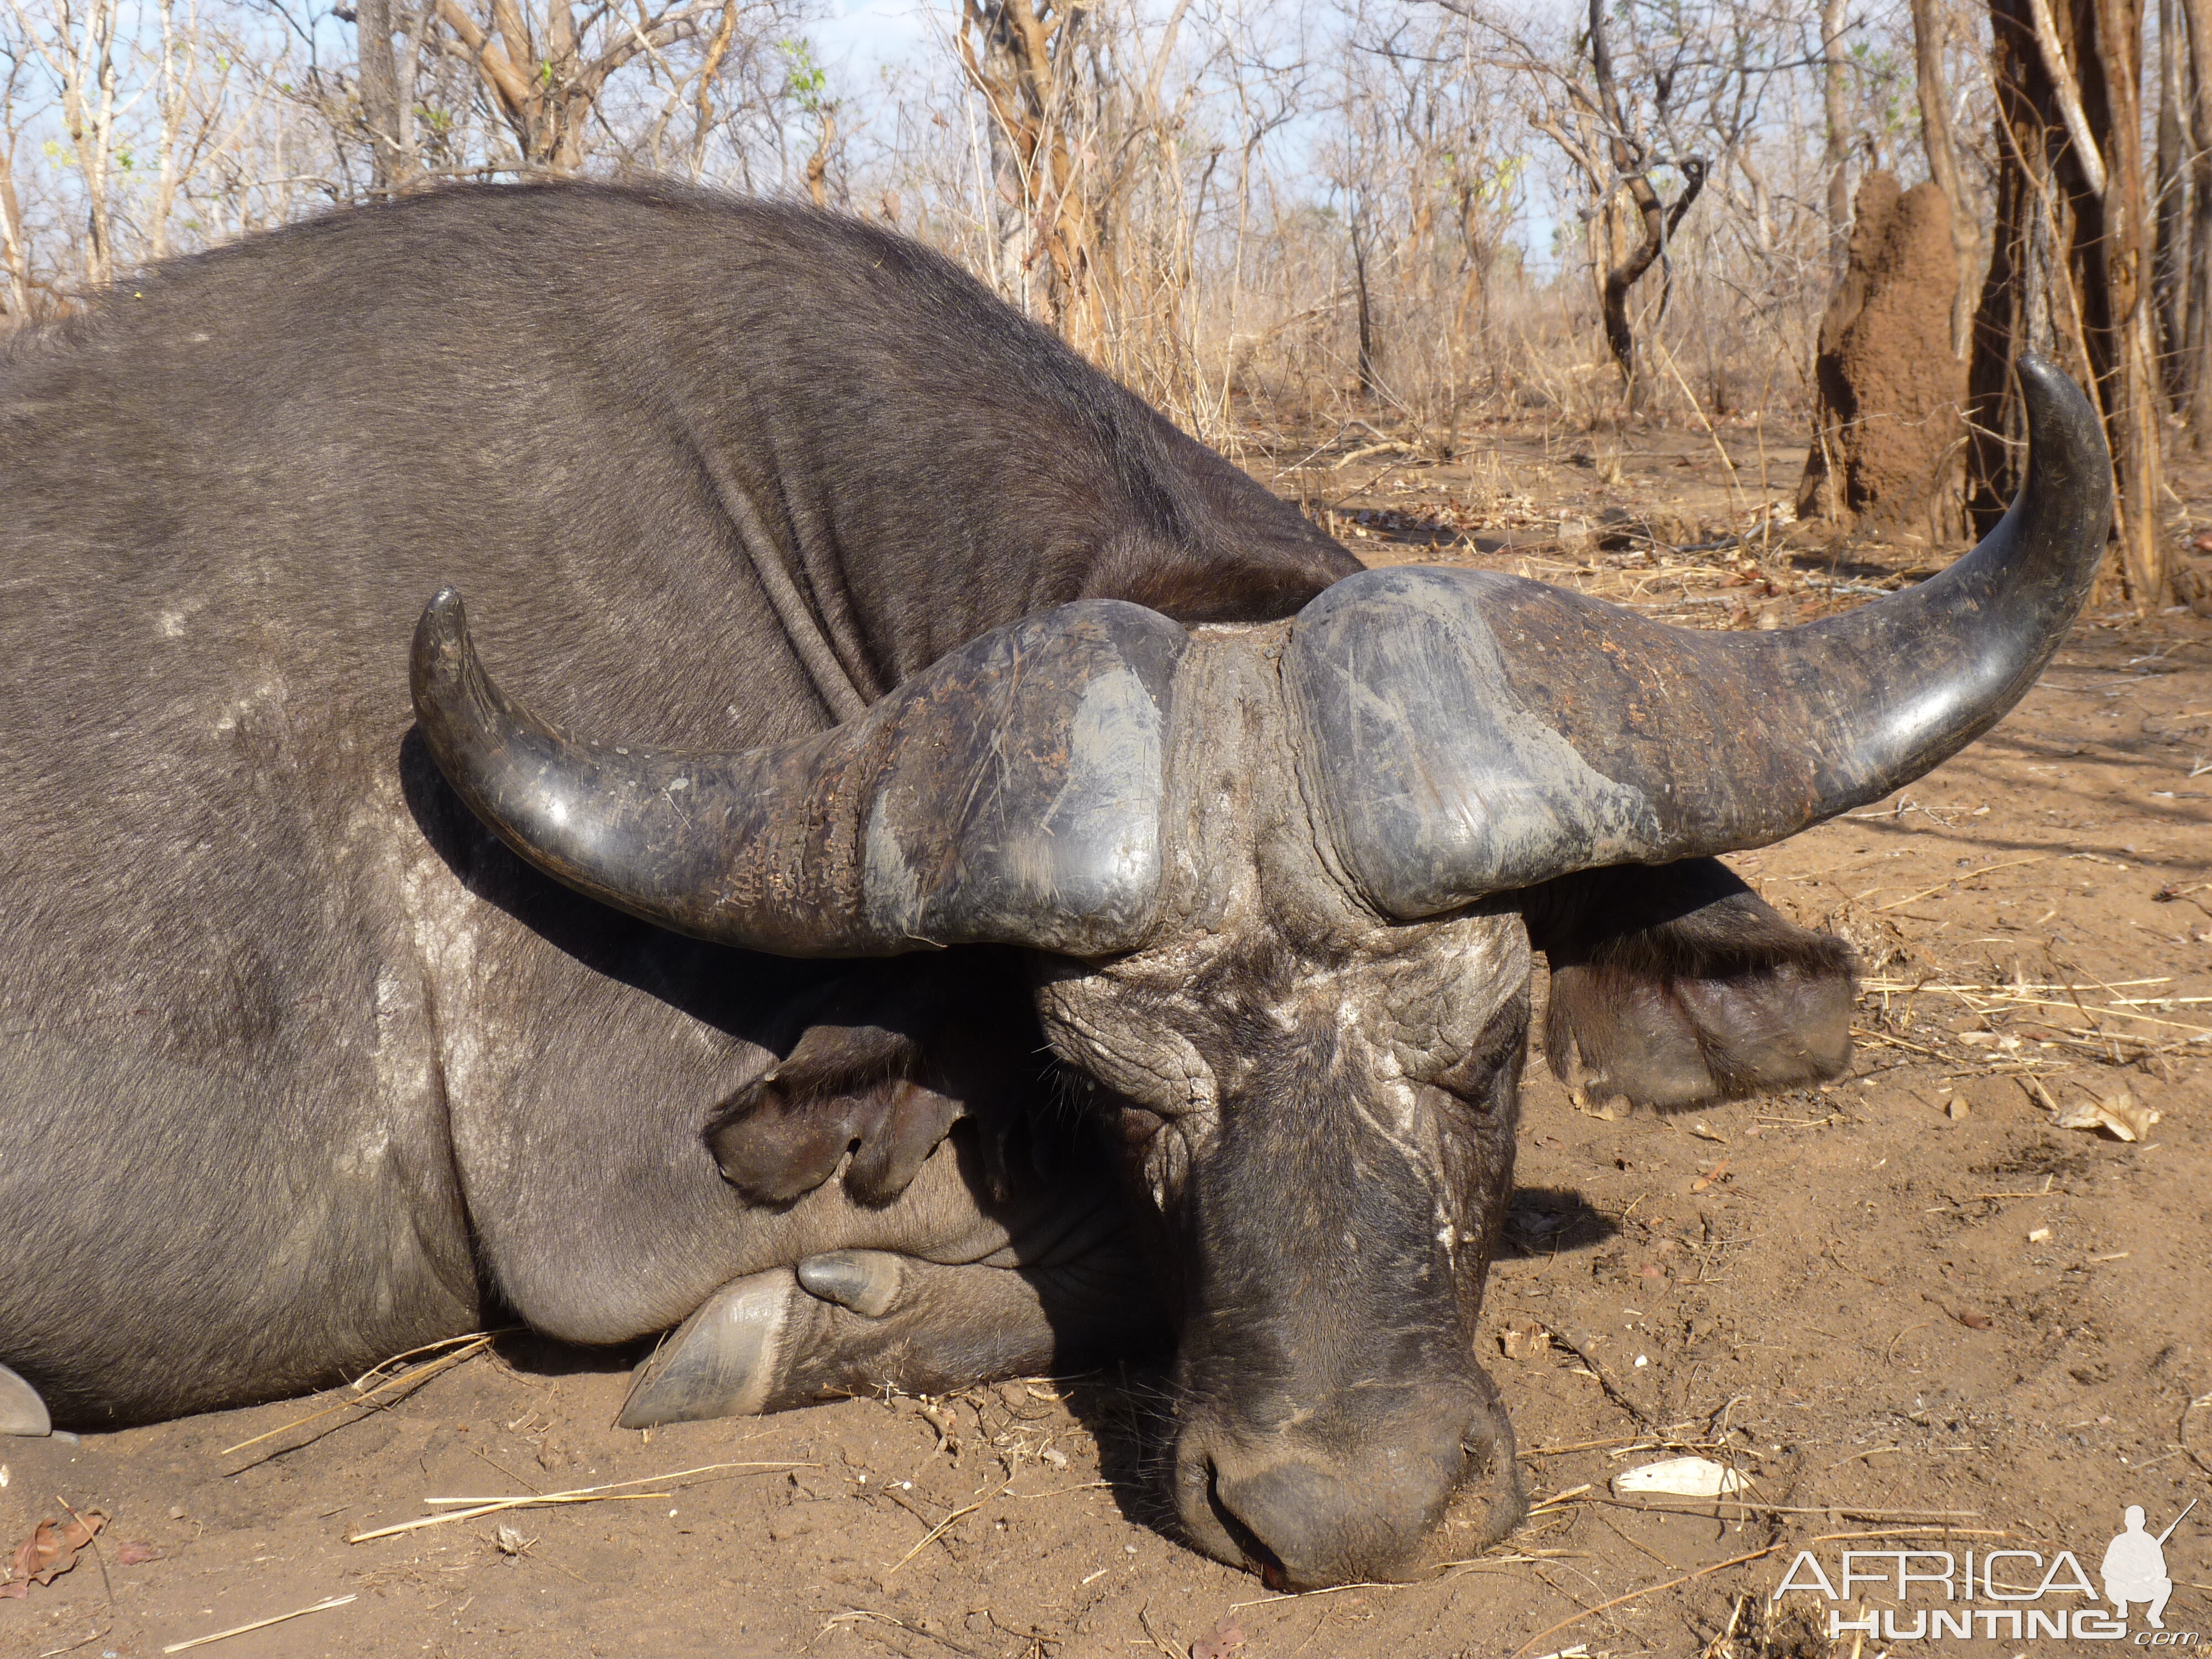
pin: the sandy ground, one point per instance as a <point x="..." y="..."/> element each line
<point x="1911" y="1306"/>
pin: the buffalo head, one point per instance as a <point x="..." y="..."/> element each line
<point x="1281" y="884"/>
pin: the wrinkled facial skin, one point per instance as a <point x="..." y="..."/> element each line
<point x="1318" y="1108"/>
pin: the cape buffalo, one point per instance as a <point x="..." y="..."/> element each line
<point x="336" y="1022"/>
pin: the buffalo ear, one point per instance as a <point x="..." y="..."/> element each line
<point x="1677" y="984"/>
<point x="843" y="1090"/>
<point x="896" y="1057"/>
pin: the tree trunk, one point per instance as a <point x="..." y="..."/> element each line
<point x="1369" y="381"/>
<point x="2133" y="397"/>
<point x="1024" y="58"/>
<point x="14" y="246"/>
<point x="1930" y="34"/>
<point x="817" y="164"/>
<point x="2170" y="253"/>
<point x="2072" y="226"/>
<point x="2199" y="263"/>
<point x="390" y="165"/>
<point x="1838" y="156"/>
<point x="1658" y="220"/>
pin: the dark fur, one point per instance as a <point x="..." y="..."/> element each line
<point x="236" y="1157"/>
<point x="300" y="1067"/>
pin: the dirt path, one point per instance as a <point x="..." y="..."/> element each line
<point x="1909" y="1300"/>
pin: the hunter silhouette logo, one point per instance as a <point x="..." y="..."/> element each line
<point x="2135" y="1568"/>
<point x="2002" y="1593"/>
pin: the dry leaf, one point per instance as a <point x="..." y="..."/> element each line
<point x="1708" y="1179"/>
<point x="49" y="1551"/>
<point x="1523" y="1341"/>
<point x="133" y="1553"/>
<point x="2117" y="1112"/>
<point x="1612" y="1109"/>
<point x="1226" y="1639"/>
<point x="1681" y="1477"/>
<point x="1707" y="1132"/>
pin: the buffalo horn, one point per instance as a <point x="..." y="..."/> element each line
<point x="1466" y="733"/>
<point x="1010" y="794"/>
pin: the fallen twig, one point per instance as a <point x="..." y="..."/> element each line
<point x="1579" y="1346"/>
<point x="2017" y="999"/>
<point x="2013" y="864"/>
<point x="1915" y="1532"/>
<point x="91" y="1529"/>
<point x="1649" y="1589"/>
<point x="937" y="1531"/>
<point x="1900" y="987"/>
<point x="1389" y="446"/>
<point x="1850" y="1510"/>
<point x="608" y="1492"/>
<point x="259" y="1624"/>
<point x="547" y="1500"/>
<point x="1331" y="1590"/>
<point x="2181" y="1433"/>
<point x="1887" y="1040"/>
<point x="1586" y="1445"/>
<point x="476" y="1345"/>
<point x="1145" y="1621"/>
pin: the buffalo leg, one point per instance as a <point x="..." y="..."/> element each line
<point x="855" y="1321"/>
<point x="21" y="1411"/>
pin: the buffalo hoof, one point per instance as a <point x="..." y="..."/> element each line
<point x="849" y="1322"/>
<point x="721" y="1362"/>
<point x="21" y="1411"/>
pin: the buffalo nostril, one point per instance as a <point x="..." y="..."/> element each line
<point x="1313" y="1528"/>
<point x="1263" y="1559"/>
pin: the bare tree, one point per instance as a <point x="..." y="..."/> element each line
<point x="545" y="69"/>
<point x="2196" y="273"/>
<point x="2169" y="210"/>
<point x="1930" y="33"/>
<point x="1616" y="147"/>
<point x="383" y="106"/>
<point x="1835" y="107"/>
<point x="14" y="239"/>
<point x="2070" y="261"/>
<point x="77" y="41"/>
<point x="807" y="87"/>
